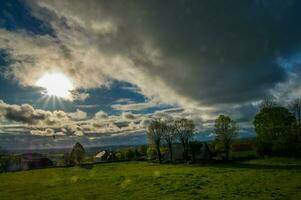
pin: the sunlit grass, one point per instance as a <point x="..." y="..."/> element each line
<point x="143" y="180"/>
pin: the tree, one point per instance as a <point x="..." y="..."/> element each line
<point x="295" y="107"/>
<point x="225" y="130"/>
<point x="184" y="131"/>
<point x="77" y="154"/>
<point x="155" y="135"/>
<point x="274" y="126"/>
<point x="169" y="135"/>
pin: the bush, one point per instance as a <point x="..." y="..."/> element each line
<point x="120" y="156"/>
<point x="151" y="153"/>
<point x="142" y="150"/>
<point x="130" y="154"/>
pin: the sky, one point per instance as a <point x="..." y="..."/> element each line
<point x="98" y="71"/>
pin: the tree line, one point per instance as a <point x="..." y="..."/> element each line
<point x="181" y="131"/>
<point x="277" y="128"/>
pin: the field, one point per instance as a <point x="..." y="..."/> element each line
<point x="256" y="179"/>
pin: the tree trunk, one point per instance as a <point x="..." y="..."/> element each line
<point x="186" y="154"/>
<point x="299" y="125"/>
<point x="227" y="150"/>
<point x="170" y="151"/>
<point x="184" y="151"/>
<point x="159" y="153"/>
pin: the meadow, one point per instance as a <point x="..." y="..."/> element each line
<point x="273" y="178"/>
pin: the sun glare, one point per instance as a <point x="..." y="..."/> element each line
<point x="56" y="84"/>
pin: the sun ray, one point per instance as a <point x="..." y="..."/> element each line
<point x="56" y="85"/>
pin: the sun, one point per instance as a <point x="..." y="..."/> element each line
<point x="56" y="84"/>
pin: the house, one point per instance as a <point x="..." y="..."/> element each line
<point x="104" y="156"/>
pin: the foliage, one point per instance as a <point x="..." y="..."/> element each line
<point x="120" y="156"/>
<point x="295" y="107"/>
<point x="129" y="154"/>
<point x="142" y="150"/>
<point x="151" y="153"/>
<point x="77" y="154"/>
<point x="225" y="130"/>
<point x="274" y="127"/>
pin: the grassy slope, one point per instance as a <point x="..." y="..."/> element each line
<point x="272" y="179"/>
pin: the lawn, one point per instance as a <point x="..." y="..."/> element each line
<point x="256" y="179"/>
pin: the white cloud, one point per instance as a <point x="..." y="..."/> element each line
<point x="79" y="96"/>
<point x="128" y="116"/>
<point x="78" y="115"/>
<point x="101" y="115"/>
<point x="26" y="119"/>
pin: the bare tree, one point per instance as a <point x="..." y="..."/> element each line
<point x="184" y="130"/>
<point x="268" y="102"/>
<point x="225" y="130"/>
<point x="169" y="136"/>
<point x="155" y="133"/>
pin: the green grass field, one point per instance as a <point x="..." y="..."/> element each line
<point x="257" y="179"/>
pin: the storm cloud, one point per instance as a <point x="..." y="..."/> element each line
<point x="183" y="52"/>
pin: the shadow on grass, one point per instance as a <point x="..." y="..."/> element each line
<point x="86" y="166"/>
<point x="257" y="166"/>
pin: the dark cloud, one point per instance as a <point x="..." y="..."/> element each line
<point x="209" y="51"/>
<point x="24" y="113"/>
<point x="223" y="52"/>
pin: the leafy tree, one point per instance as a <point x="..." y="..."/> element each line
<point x="169" y="136"/>
<point x="295" y="107"/>
<point x="184" y="131"/>
<point x="225" y="130"/>
<point x="77" y="154"/>
<point x="273" y="126"/>
<point x="155" y="133"/>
